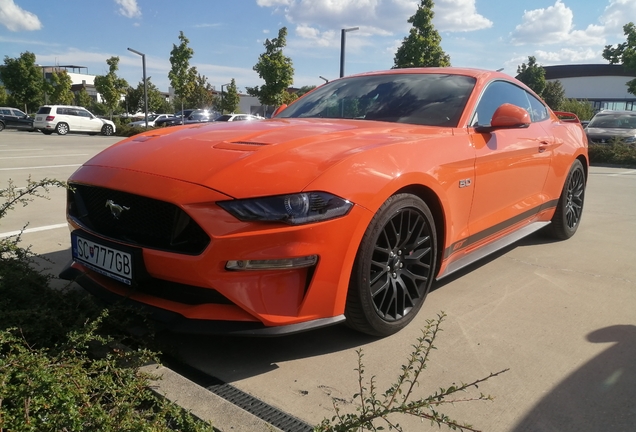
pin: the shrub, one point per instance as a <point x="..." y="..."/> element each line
<point x="397" y="400"/>
<point x="63" y="362"/>
<point x="616" y="152"/>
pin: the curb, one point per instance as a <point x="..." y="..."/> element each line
<point x="223" y="415"/>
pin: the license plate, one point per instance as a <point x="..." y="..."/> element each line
<point x="103" y="259"/>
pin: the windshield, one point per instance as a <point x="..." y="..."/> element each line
<point x="614" y="121"/>
<point x="422" y="99"/>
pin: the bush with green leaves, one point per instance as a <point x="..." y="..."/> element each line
<point x="376" y="411"/>
<point x="66" y="364"/>
<point x="617" y="152"/>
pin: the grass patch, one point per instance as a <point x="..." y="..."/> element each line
<point x="615" y="153"/>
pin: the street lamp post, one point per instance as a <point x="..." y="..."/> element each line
<point x="342" y="47"/>
<point x="143" y="64"/>
<point x="223" y="97"/>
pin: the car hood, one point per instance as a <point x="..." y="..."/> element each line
<point x="267" y="157"/>
<point x="610" y="132"/>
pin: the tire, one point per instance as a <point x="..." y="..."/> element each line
<point x="107" y="130"/>
<point x="61" y="128"/>
<point x="394" y="267"/>
<point x="1" y="126"/>
<point x="567" y="217"/>
<point x="46" y="132"/>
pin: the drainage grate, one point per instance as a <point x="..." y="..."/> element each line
<point x="249" y="403"/>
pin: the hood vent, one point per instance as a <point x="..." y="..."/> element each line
<point x="240" y="145"/>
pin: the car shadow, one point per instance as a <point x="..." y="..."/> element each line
<point x="238" y="361"/>
<point x="598" y="396"/>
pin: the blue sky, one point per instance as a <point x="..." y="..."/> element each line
<point x="227" y="36"/>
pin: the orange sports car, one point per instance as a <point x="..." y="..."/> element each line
<point x="345" y="206"/>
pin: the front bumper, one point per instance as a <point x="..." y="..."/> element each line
<point x="197" y="294"/>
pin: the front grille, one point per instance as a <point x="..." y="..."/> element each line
<point x="140" y="221"/>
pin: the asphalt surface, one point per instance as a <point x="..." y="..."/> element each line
<point x="560" y="315"/>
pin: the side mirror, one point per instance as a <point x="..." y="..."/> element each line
<point x="510" y="116"/>
<point x="279" y="110"/>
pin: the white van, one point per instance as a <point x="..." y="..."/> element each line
<point x="64" y="119"/>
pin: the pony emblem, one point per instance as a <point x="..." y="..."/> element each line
<point x="115" y="209"/>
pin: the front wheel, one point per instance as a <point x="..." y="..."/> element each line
<point x="61" y="128"/>
<point x="567" y="216"/>
<point x="107" y="130"/>
<point x="394" y="267"/>
<point x="46" y="132"/>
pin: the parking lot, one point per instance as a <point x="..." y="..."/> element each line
<point x="560" y="315"/>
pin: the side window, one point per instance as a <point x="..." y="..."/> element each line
<point x="18" y="113"/>
<point x="63" y="111"/>
<point x="538" y="111"/>
<point x="496" y="94"/>
<point x="83" y="113"/>
<point x="5" y="112"/>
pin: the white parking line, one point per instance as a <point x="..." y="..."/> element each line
<point x="32" y="230"/>
<point x="42" y="156"/>
<point x="20" y="149"/>
<point x="40" y="167"/>
<point x="623" y="173"/>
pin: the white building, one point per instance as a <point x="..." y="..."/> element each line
<point x="604" y="85"/>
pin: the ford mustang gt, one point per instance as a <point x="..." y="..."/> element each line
<point x="344" y="207"/>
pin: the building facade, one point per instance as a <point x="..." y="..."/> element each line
<point x="604" y="85"/>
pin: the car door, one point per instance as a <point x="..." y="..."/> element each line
<point x="511" y="164"/>
<point x="22" y="120"/>
<point x="90" y="123"/>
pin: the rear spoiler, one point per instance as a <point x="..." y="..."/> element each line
<point x="567" y="117"/>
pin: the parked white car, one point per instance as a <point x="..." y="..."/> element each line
<point x="65" y="118"/>
<point x="238" y="117"/>
<point x="152" y="118"/>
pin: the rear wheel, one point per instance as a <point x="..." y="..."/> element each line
<point x="1" y="126"/>
<point x="61" y="128"/>
<point x="567" y="216"/>
<point x="394" y="267"/>
<point x="107" y="130"/>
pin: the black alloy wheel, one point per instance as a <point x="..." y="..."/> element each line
<point x="567" y="217"/>
<point x="107" y="130"/>
<point x="394" y="267"/>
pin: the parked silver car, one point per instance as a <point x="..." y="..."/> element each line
<point x="607" y="126"/>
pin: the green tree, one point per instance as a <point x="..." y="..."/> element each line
<point x="304" y="89"/>
<point x="82" y="98"/>
<point x="582" y="108"/>
<point x="58" y="89"/>
<point x="554" y="94"/>
<point x="110" y="86"/>
<point x="182" y="76"/>
<point x="230" y="99"/>
<point x="23" y="80"/>
<point x="275" y="69"/>
<point x="3" y="96"/>
<point x="532" y="75"/>
<point x="624" y="53"/>
<point x="421" y="48"/>
<point x="134" y="101"/>
<point x="202" y="93"/>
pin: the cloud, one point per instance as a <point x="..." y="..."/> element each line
<point x="129" y="8"/>
<point x="554" y="25"/>
<point x="550" y="25"/>
<point x="14" y="18"/>
<point x="566" y="55"/>
<point x="617" y="14"/>
<point x="458" y="15"/>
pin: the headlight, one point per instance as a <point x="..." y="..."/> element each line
<point x="630" y="139"/>
<point x="295" y="209"/>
